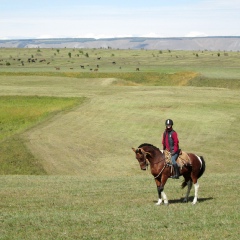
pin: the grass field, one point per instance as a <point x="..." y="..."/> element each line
<point x="76" y="176"/>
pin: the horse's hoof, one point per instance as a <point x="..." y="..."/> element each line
<point x="194" y="201"/>
<point x="166" y="204"/>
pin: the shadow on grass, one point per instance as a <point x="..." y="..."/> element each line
<point x="190" y="199"/>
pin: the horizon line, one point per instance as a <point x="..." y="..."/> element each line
<point x="47" y="38"/>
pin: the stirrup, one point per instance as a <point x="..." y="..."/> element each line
<point x="174" y="177"/>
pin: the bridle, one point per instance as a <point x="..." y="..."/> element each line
<point x="146" y="161"/>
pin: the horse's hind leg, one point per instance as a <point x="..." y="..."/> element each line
<point x="196" y="187"/>
<point x="189" y="184"/>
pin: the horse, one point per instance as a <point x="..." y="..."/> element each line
<point x="161" y="169"/>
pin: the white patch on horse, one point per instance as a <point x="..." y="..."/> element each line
<point x="196" y="187"/>
<point x="200" y="160"/>
<point x="159" y="202"/>
<point x="162" y="199"/>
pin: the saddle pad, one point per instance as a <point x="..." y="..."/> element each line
<point x="183" y="159"/>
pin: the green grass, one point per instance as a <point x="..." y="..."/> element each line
<point x="89" y="184"/>
<point x="61" y="207"/>
<point x="184" y="78"/>
<point x="207" y="63"/>
<point x="18" y="113"/>
<point x="16" y="158"/>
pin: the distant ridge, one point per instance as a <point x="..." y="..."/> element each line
<point x="224" y="43"/>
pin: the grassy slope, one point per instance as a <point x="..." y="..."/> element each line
<point x="121" y="115"/>
<point x="108" y="197"/>
<point x="18" y="113"/>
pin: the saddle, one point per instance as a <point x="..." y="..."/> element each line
<point x="183" y="158"/>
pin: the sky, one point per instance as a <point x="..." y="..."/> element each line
<point x="22" y="19"/>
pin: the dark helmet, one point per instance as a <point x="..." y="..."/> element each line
<point x="169" y="122"/>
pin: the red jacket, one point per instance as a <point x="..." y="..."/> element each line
<point x="172" y="143"/>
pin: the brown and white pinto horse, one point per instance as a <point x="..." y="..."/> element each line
<point x="161" y="170"/>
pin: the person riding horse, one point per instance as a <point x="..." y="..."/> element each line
<point x="170" y="142"/>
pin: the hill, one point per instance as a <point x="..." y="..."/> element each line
<point x="229" y="43"/>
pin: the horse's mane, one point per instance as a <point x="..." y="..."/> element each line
<point x="148" y="144"/>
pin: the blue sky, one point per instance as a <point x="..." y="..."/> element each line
<point x="105" y="18"/>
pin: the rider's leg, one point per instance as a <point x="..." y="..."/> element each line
<point x="176" y="169"/>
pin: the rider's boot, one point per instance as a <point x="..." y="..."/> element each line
<point x="176" y="170"/>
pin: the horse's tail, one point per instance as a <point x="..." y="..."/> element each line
<point x="203" y="167"/>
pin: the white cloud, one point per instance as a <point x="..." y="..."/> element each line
<point x="151" y="35"/>
<point x="96" y="36"/>
<point x="101" y="36"/>
<point x="196" y="34"/>
<point x="45" y="36"/>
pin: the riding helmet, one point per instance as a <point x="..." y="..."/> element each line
<point x="169" y="122"/>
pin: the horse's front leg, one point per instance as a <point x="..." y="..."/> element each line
<point x="162" y="197"/>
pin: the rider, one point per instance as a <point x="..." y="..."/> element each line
<point x="170" y="143"/>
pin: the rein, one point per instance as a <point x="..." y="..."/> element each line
<point x="162" y="168"/>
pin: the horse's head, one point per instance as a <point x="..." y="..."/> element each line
<point x="141" y="156"/>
